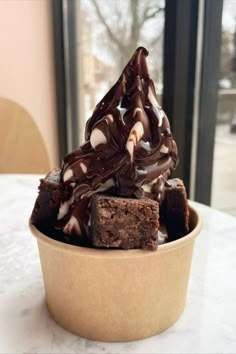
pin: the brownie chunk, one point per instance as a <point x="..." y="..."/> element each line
<point x="48" y="201"/>
<point x="174" y="211"/>
<point x="124" y="223"/>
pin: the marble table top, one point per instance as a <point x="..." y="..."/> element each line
<point x="208" y="324"/>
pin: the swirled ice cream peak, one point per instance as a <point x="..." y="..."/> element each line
<point x="128" y="151"/>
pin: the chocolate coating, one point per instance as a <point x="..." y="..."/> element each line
<point x="128" y="147"/>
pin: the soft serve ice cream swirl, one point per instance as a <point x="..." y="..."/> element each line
<point x="129" y="149"/>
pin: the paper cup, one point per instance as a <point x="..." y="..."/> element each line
<point x="116" y="295"/>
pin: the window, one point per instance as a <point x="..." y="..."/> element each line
<point x="224" y="165"/>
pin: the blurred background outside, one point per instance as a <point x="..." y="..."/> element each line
<point x="110" y="33"/>
<point x="224" y="167"/>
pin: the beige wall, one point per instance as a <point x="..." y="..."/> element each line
<point x="26" y="63"/>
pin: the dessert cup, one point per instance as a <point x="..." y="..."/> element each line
<point x="116" y="295"/>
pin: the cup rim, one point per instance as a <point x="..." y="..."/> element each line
<point x="119" y="253"/>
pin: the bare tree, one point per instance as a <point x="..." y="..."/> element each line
<point x="125" y="32"/>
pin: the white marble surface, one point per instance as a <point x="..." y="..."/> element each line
<point x="208" y="324"/>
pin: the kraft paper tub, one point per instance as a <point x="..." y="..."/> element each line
<point x="116" y="295"/>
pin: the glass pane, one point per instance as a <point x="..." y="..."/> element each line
<point x="109" y="33"/>
<point x="224" y="168"/>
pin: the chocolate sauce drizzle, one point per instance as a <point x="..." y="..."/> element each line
<point x="128" y="149"/>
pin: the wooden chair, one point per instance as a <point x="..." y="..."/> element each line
<point x="22" y="148"/>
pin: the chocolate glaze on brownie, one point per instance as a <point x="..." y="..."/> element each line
<point x="46" y="208"/>
<point x="124" y="223"/>
<point x="51" y="193"/>
<point x="48" y="201"/>
<point x="174" y="211"/>
<point x="117" y="222"/>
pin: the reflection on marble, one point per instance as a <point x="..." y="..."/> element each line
<point x="208" y="324"/>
